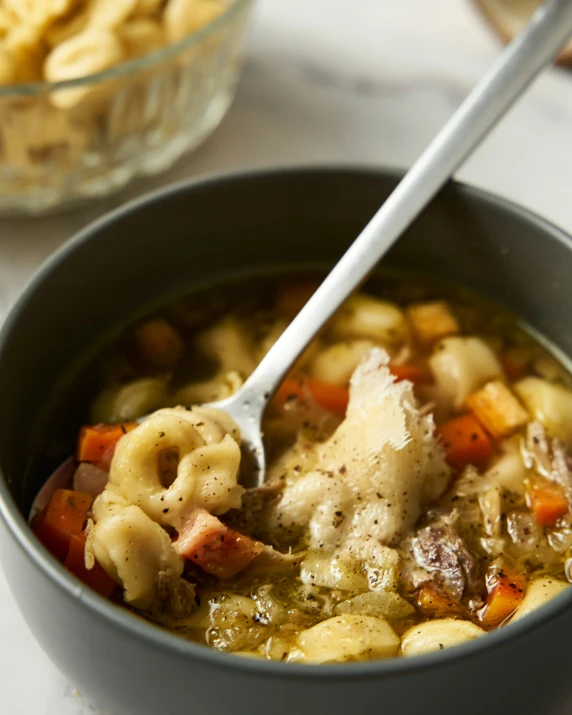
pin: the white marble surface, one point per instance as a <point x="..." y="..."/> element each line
<point x="343" y="81"/>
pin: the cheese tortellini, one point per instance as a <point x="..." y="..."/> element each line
<point x="129" y="539"/>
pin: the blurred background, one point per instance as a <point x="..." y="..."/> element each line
<point x="316" y="82"/>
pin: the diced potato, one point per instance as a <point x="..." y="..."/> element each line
<point x="348" y="637"/>
<point x="336" y="363"/>
<point x="382" y="604"/>
<point x="548" y="403"/>
<point x="362" y="316"/>
<point x="460" y="366"/>
<point x="509" y="472"/>
<point x="333" y="572"/>
<point x="130" y="401"/>
<point x="432" y="321"/>
<point x="438" y="634"/>
<point x="537" y="594"/>
<point x="498" y="409"/>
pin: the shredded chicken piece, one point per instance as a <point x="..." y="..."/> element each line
<point x="373" y="474"/>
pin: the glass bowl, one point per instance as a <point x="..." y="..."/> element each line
<point x="134" y="119"/>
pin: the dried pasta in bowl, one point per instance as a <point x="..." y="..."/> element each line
<point x="94" y="92"/>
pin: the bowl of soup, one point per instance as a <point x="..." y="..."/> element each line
<point x="411" y="544"/>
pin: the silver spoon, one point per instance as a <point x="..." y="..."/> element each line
<point x="541" y="40"/>
<point x="538" y="44"/>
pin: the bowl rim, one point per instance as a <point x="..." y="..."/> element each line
<point x="151" y="59"/>
<point x="162" y="640"/>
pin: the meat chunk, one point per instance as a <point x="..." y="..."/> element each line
<point x="176" y="597"/>
<point x="439" y="549"/>
<point x="218" y="550"/>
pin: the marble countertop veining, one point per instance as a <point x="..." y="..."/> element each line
<point x="326" y="81"/>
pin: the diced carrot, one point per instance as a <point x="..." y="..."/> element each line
<point x="409" y="372"/>
<point x="330" y="397"/>
<point x="158" y="343"/>
<point x="63" y="518"/>
<point x="292" y="297"/>
<point x="465" y="442"/>
<point x="498" y="409"/>
<point x="96" y="577"/>
<point x="218" y="550"/>
<point x="434" y="602"/>
<point x="547" y="501"/>
<point x="506" y="591"/>
<point x="95" y="440"/>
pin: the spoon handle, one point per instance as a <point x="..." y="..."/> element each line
<point x="543" y="37"/>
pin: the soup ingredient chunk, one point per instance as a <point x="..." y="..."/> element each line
<point x="220" y="551"/>
<point x="538" y="593"/>
<point x="63" y="518"/>
<point x="549" y="404"/>
<point x="348" y="637"/>
<point x="498" y="409"/>
<point x="437" y="635"/>
<point x="432" y="321"/>
<point x="439" y="549"/>
<point x="461" y="366"/>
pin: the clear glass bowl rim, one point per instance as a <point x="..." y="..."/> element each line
<point x="151" y="59"/>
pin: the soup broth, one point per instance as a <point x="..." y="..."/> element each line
<point x="418" y="489"/>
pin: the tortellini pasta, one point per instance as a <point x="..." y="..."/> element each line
<point x="128" y="538"/>
<point x="438" y="634"/>
<point x="365" y="317"/>
<point x="130" y="401"/>
<point x="348" y="637"/>
<point x="336" y="363"/>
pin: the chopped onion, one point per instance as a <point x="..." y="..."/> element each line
<point x="494" y="546"/>
<point x="381" y="604"/>
<point x="523" y="530"/>
<point x="490" y="503"/>
<point x="560" y="540"/>
<point x="90" y="479"/>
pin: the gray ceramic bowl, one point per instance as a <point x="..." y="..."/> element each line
<point x="193" y="234"/>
